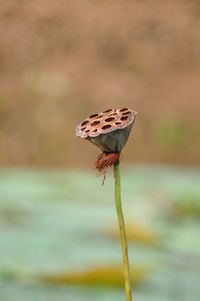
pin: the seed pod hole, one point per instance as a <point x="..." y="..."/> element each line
<point x="95" y="131"/>
<point x="100" y="116"/>
<point x="87" y="131"/>
<point x="126" y="113"/>
<point x="118" y="123"/>
<point x="96" y="122"/>
<point x="106" y="127"/>
<point x="107" y="111"/>
<point x="124" y="110"/>
<point x="123" y="118"/>
<point x="110" y="119"/>
<point x="93" y="116"/>
<point x="83" y="128"/>
<point x="84" y="122"/>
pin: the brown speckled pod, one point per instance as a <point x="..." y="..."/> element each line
<point x="108" y="130"/>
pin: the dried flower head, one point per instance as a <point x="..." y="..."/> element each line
<point x="109" y="131"/>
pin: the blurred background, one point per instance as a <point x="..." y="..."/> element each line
<point x="59" y="63"/>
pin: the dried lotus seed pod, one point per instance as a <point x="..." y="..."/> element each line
<point x="108" y="130"/>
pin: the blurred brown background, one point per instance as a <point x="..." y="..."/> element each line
<point x="60" y="61"/>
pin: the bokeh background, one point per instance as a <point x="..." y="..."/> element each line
<point x="61" y="61"/>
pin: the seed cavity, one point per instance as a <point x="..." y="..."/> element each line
<point x="105" y="127"/>
<point x="94" y="115"/>
<point x="117" y="123"/>
<point x="100" y="116"/>
<point x="87" y="131"/>
<point x="84" y="122"/>
<point x="123" y="110"/>
<point x="95" y="131"/>
<point x="107" y="111"/>
<point x="109" y="119"/>
<point x="126" y="113"/>
<point x="83" y="128"/>
<point x="96" y="122"/>
<point x="123" y="118"/>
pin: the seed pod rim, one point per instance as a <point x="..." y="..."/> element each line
<point x="96" y="124"/>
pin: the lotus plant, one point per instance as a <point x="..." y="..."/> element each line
<point x="109" y="131"/>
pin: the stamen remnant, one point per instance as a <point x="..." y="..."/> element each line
<point x="105" y="160"/>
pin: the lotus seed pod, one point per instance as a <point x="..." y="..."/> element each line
<point x="108" y="130"/>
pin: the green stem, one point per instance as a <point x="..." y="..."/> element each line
<point x="122" y="232"/>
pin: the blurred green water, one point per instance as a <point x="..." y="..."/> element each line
<point x="55" y="221"/>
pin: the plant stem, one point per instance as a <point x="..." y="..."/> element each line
<point x="122" y="232"/>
